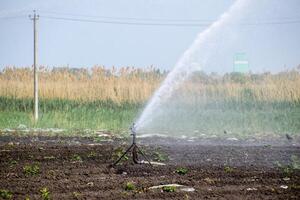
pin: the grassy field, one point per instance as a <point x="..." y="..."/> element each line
<point x="68" y="114"/>
<point x="110" y="99"/>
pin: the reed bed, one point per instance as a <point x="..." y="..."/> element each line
<point x="137" y="85"/>
<point x="112" y="99"/>
<point x="122" y="85"/>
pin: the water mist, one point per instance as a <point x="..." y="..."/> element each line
<point x="192" y="60"/>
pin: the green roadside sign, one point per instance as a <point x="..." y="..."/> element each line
<point x="240" y="63"/>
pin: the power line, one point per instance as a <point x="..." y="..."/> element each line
<point x="273" y="22"/>
<point x="165" y="24"/>
<point x="14" y="17"/>
<point x="149" y="19"/>
<point x="124" y="22"/>
<point x="139" y="21"/>
<point x="128" y="18"/>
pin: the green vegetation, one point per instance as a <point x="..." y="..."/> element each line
<point x="67" y="114"/>
<point x="169" y="189"/>
<point x="181" y="171"/>
<point x="76" y="158"/>
<point x="295" y="162"/>
<point x="80" y="101"/>
<point x="76" y="195"/>
<point x="92" y="154"/>
<point x="5" y="194"/>
<point x="228" y="169"/>
<point x="129" y="186"/>
<point x="290" y="168"/>
<point x="33" y="169"/>
<point x="118" y="152"/>
<point x="159" y="156"/>
<point x="45" y="194"/>
<point x="75" y="116"/>
<point x="12" y="163"/>
<point x="239" y="118"/>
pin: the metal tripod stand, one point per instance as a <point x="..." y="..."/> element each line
<point x="134" y="148"/>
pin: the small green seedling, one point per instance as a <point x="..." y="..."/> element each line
<point x="286" y="169"/>
<point x="27" y="198"/>
<point x="169" y="189"/>
<point x="228" y="169"/>
<point x="45" y="194"/>
<point x="31" y="169"/>
<point x="129" y="186"/>
<point x="295" y="162"/>
<point x="5" y="194"/>
<point x="76" y="158"/>
<point x="92" y="154"/>
<point x="76" y="195"/>
<point x="12" y="163"/>
<point x="118" y="153"/>
<point x="160" y="157"/>
<point x="181" y="171"/>
<point x="289" y="169"/>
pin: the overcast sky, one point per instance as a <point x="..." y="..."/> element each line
<point x="269" y="45"/>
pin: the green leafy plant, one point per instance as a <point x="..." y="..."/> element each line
<point x="129" y="186"/>
<point x="5" y="194"/>
<point x="289" y="169"/>
<point x="169" y="189"/>
<point x="12" y="163"/>
<point x="160" y="157"/>
<point x="76" y="158"/>
<point x="295" y="162"/>
<point x="76" y="195"/>
<point x="228" y="169"/>
<point x="33" y="169"/>
<point x="45" y="194"/>
<point x="92" y="154"/>
<point x="181" y="171"/>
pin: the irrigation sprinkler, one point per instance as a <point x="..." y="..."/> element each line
<point x="134" y="149"/>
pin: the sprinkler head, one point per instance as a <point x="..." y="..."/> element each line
<point x="133" y="129"/>
<point x="133" y="133"/>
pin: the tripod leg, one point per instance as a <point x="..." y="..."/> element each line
<point x="123" y="155"/>
<point x="144" y="156"/>
<point x="135" y="155"/>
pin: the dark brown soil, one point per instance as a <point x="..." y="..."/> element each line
<point x="79" y="168"/>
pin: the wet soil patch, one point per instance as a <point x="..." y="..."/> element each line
<point x="79" y="168"/>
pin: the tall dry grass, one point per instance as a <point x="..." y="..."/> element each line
<point x="118" y="85"/>
<point x="137" y="85"/>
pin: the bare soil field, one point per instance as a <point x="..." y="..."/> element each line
<point x="80" y="168"/>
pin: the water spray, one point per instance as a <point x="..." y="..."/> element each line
<point x="134" y="149"/>
<point x="192" y="60"/>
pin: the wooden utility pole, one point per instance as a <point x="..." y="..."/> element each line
<point x="34" y="18"/>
